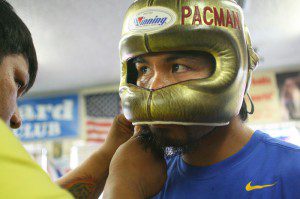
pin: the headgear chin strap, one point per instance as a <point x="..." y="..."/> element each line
<point x="216" y="27"/>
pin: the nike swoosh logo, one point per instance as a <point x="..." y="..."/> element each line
<point x="249" y="187"/>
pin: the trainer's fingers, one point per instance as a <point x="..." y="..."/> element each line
<point x="120" y="123"/>
<point x="123" y="119"/>
<point x="137" y="130"/>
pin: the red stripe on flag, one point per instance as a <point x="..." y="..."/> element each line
<point x="106" y="124"/>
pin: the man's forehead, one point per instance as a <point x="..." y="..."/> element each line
<point x="169" y="56"/>
<point x="18" y="60"/>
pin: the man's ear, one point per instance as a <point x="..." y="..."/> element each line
<point x="253" y="59"/>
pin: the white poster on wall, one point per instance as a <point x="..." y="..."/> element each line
<point x="264" y="93"/>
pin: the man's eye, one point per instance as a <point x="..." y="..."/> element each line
<point x="177" y="68"/>
<point x="144" y="69"/>
<point x="19" y="84"/>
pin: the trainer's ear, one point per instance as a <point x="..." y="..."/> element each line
<point x="253" y="59"/>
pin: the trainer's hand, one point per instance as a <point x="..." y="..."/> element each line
<point x="135" y="172"/>
<point x="88" y="179"/>
<point x="120" y="132"/>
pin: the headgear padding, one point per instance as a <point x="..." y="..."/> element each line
<point x="216" y="27"/>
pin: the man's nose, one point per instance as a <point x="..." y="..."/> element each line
<point x="160" y="81"/>
<point x="15" y="120"/>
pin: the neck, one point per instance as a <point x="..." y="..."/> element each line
<point x="220" y="144"/>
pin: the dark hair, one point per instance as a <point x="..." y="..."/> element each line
<point x="15" y="38"/>
<point x="243" y="111"/>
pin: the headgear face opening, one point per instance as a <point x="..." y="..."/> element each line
<point x="215" y="27"/>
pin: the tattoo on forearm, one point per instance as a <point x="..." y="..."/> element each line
<point x="82" y="188"/>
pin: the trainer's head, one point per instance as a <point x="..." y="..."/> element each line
<point x="18" y="63"/>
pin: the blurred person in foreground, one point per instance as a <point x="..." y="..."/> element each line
<point x="186" y="69"/>
<point x="20" y="176"/>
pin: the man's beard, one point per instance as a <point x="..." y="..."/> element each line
<point x="163" y="145"/>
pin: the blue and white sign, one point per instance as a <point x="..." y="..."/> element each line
<point x="49" y="118"/>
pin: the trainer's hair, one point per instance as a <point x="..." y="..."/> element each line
<point x="15" y="38"/>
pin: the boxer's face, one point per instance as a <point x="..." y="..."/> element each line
<point x="14" y="78"/>
<point x="163" y="69"/>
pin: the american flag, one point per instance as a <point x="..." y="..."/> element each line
<point x="100" y="109"/>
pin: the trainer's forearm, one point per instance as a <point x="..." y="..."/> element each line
<point x="116" y="188"/>
<point x="88" y="180"/>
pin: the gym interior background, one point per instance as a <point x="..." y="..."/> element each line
<point x="67" y="114"/>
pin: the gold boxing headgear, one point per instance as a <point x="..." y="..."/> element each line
<point x="212" y="26"/>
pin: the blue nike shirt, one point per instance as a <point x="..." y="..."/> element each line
<point x="264" y="168"/>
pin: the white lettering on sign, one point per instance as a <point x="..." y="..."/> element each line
<point x="63" y="111"/>
<point x="27" y="112"/>
<point x="39" y="130"/>
<point x="44" y="112"/>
